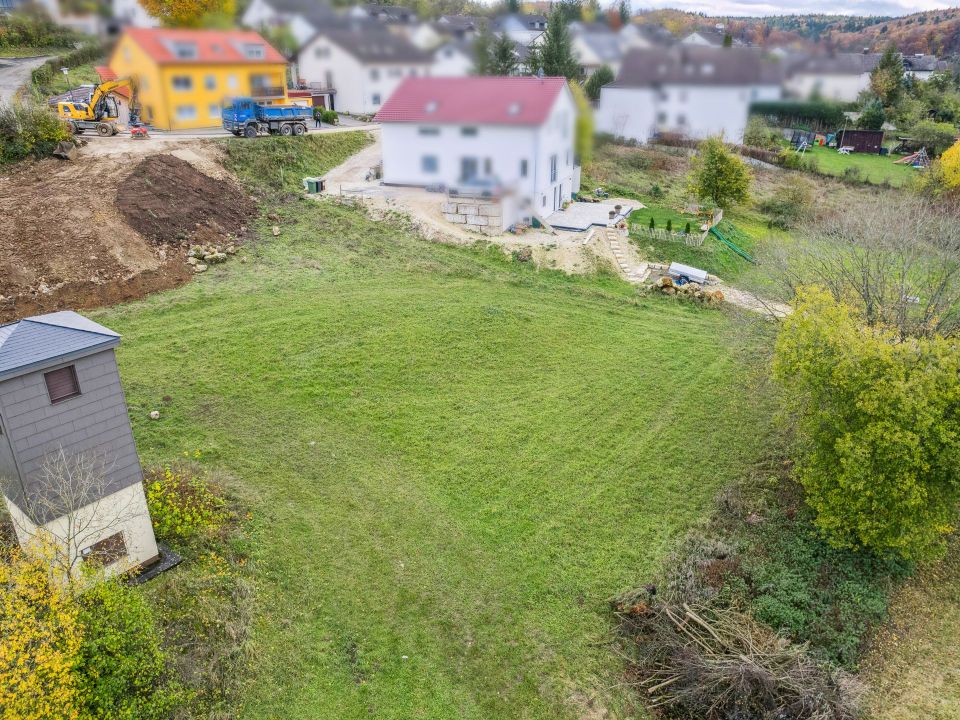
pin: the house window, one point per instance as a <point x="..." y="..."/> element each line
<point x="374" y="74"/>
<point x="523" y="168"/>
<point x="487" y="166"/>
<point x="468" y="131"/>
<point x="62" y="383"/>
<point x="429" y="164"/>
<point x="413" y="72"/>
<point x="253" y="51"/>
<point x="568" y="158"/>
<point x="543" y="201"/>
<point x="376" y="98"/>
<point x="210" y="82"/>
<point x="214" y="111"/>
<point x="185" y="50"/>
<point x="182" y="82"/>
<point x="553" y="168"/>
<point x="106" y="551"/>
<point x="395" y="72"/>
<point x="186" y="112"/>
<point x="661" y="118"/>
<point x="431" y="131"/>
<point x="329" y="77"/>
<point x="681" y="120"/>
<point x="321" y="53"/>
<point x="232" y="82"/>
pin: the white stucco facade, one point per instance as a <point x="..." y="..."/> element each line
<point x="450" y="60"/>
<point x="534" y="163"/>
<point x="361" y="87"/>
<point x="696" y="111"/>
<point x="838" y="86"/>
<point x="125" y="512"/>
<point x="131" y="13"/>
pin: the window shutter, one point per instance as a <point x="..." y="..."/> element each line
<point x="62" y="383"/>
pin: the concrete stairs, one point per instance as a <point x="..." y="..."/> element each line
<point x="633" y="272"/>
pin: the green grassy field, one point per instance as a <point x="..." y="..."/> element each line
<point x="875" y="169"/>
<point x="452" y="460"/>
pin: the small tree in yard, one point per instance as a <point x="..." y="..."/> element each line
<point x="718" y="176"/>
<point x="872" y="117"/>
<point x="554" y="55"/>
<point x="894" y="260"/>
<point x="583" y="127"/>
<point x="503" y="56"/>
<point x="878" y="432"/>
<point x="886" y="79"/>
<point x="603" y="75"/>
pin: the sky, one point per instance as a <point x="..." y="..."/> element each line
<point x="799" y="7"/>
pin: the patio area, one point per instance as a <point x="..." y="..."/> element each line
<point x="579" y="216"/>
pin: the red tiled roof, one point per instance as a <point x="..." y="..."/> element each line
<point x="480" y="100"/>
<point x="106" y="74"/>
<point x="213" y="46"/>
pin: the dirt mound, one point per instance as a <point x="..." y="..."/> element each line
<point x="169" y="201"/>
<point x="69" y="230"/>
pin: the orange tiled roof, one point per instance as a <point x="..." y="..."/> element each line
<point x="212" y="46"/>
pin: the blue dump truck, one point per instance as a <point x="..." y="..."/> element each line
<point x="245" y="116"/>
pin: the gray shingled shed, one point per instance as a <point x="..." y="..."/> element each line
<point x="60" y="388"/>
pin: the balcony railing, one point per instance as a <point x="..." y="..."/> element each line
<point x="267" y="91"/>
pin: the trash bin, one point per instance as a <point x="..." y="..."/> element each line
<point x="313" y="185"/>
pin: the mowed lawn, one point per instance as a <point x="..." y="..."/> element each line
<point x="451" y="460"/>
<point x="875" y="169"/>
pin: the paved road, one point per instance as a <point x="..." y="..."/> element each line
<point x="15" y="72"/>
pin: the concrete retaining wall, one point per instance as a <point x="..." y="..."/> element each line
<point x="482" y="215"/>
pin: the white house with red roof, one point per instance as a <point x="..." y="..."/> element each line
<point x="499" y="135"/>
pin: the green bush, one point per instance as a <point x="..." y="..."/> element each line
<point x="790" y="204"/>
<point x="759" y="134"/>
<point x="182" y="503"/>
<point x="934" y="136"/>
<point x="32" y="28"/>
<point x="330" y="117"/>
<point x="29" y="131"/>
<point x="42" y="76"/>
<point x="122" y="670"/>
<point x="877" y="436"/>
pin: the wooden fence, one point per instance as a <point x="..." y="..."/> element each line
<point x="693" y="239"/>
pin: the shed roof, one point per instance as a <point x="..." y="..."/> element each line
<point x="480" y="100"/>
<point x="35" y="341"/>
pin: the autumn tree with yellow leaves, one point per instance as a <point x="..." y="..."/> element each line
<point x="41" y="642"/>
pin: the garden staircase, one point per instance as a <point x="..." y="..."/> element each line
<point x="633" y="273"/>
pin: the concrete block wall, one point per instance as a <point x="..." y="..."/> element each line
<point x="481" y="215"/>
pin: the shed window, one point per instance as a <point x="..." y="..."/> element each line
<point x="106" y="551"/>
<point x="62" y="383"/>
<point x="182" y="82"/>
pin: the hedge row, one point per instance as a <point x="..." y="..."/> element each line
<point x="817" y="114"/>
<point x="85" y="54"/>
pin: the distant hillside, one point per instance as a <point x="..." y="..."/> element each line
<point x="935" y="31"/>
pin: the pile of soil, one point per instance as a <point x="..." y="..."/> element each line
<point x="170" y="202"/>
<point x="110" y="227"/>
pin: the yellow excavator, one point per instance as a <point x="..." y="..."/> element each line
<point x="102" y="112"/>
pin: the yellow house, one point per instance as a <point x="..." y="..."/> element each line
<point x="184" y="75"/>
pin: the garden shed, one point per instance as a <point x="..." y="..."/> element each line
<point x="862" y="141"/>
<point x="68" y="462"/>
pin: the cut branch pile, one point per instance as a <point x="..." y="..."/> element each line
<point x="723" y="665"/>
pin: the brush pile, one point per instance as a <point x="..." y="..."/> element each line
<point x="715" y="664"/>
